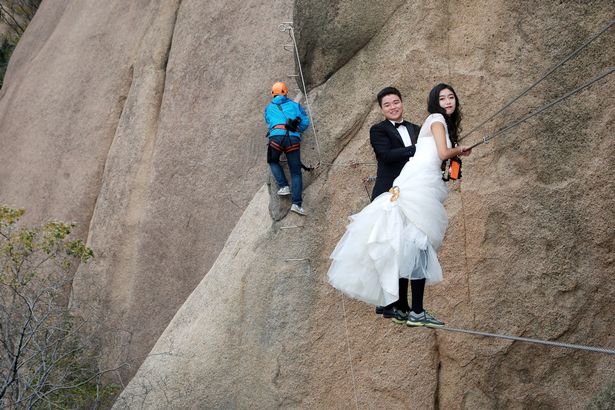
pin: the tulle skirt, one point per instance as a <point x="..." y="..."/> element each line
<point x="392" y="239"/>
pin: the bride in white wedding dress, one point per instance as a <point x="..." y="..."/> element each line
<point x="399" y="233"/>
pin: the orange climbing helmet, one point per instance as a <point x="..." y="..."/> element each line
<point x="279" y="88"/>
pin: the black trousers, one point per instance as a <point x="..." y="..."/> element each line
<point x="383" y="184"/>
<point x="417" y="287"/>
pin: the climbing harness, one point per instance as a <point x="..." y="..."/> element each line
<point x="451" y="169"/>
<point x="290" y="125"/>
<point x="548" y="73"/>
<point x="288" y="26"/>
<point x="280" y="148"/>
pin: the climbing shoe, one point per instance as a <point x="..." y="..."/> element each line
<point x="423" y="319"/>
<point x="297" y="209"/>
<point x="388" y="312"/>
<point x="392" y="312"/>
<point x="400" y="317"/>
<point x="285" y="190"/>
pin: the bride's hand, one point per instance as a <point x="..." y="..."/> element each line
<point x="465" y="151"/>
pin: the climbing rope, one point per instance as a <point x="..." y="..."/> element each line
<point x="352" y="164"/>
<point x="530" y="340"/>
<point x="353" y="378"/>
<point x="288" y="26"/>
<point x="354" y="385"/>
<point x="348" y="164"/>
<point x="545" y="107"/>
<point x="558" y="65"/>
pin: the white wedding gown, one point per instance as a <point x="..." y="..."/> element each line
<point x="392" y="239"/>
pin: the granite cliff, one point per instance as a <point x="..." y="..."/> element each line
<point x="143" y="124"/>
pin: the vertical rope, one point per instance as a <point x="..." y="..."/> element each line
<point x="354" y="385"/>
<point x="289" y="27"/>
<point x="465" y="254"/>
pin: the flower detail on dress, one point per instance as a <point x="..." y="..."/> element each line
<point x="395" y="193"/>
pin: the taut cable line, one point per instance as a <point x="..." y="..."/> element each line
<point x="530" y="340"/>
<point x="548" y="73"/>
<point x="487" y="138"/>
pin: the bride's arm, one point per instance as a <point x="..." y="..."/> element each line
<point x="444" y="152"/>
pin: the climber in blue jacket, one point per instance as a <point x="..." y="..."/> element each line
<point x="286" y="120"/>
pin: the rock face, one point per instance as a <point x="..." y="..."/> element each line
<point x="140" y="155"/>
<point x="144" y="125"/>
<point x="348" y="27"/>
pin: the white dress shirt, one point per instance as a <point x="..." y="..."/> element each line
<point x="403" y="131"/>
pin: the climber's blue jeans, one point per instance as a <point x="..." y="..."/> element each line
<point x="294" y="165"/>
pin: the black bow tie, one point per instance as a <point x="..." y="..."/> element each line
<point x="398" y="124"/>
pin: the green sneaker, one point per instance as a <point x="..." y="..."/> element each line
<point x="400" y="317"/>
<point x="423" y="319"/>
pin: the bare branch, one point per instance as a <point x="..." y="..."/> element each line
<point x="46" y="352"/>
<point x="8" y="16"/>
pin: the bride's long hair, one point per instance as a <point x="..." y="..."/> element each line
<point x="453" y="121"/>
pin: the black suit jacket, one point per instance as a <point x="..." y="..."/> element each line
<point x="391" y="153"/>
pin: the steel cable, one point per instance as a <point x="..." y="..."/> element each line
<point x="530" y="340"/>
<point x="524" y="92"/>
<point x="289" y="26"/>
<point x="545" y="107"/>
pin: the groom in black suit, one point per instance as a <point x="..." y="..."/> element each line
<point x="394" y="142"/>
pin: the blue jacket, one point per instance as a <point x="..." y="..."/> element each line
<point x="292" y="110"/>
